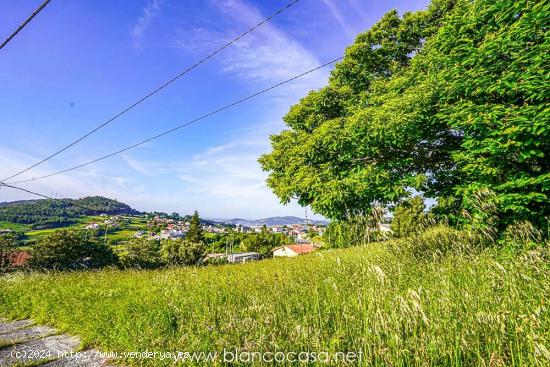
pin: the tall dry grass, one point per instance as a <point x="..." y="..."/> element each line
<point x="461" y="309"/>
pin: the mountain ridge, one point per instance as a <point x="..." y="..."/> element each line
<point x="269" y="221"/>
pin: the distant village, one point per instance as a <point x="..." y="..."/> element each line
<point x="162" y="227"/>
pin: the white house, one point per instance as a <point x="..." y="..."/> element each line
<point x="92" y="226"/>
<point x="172" y="234"/>
<point x="242" y="257"/>
<point x="139" y="234"/>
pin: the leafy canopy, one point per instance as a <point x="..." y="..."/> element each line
<point x="448" y="101"/>
<point x="182" y="252"/>
<point x="142" y="253"/>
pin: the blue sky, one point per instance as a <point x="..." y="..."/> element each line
<point x="80" y="62"/>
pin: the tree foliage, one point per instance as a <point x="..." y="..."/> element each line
<point x="64" y="249"/>
<point x="195" y="233"/>
<point x="408" y="217"/>
<point x="142" y="253"/>
<point x="448" y="101"/>
<point x="182" y="252"/>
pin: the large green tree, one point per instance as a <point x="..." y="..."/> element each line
<point x="195" y="233"/>
<point x="344" y="149"/>
<point x="448" y="101"/>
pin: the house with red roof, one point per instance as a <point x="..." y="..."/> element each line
<point x="294" y="250"/>
<point x="19" y="258"/>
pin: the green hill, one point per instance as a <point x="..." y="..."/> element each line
<point x="41" y="214"/>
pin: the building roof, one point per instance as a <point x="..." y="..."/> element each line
<point x="19" y="258"/>
<point x="304" y="248"/>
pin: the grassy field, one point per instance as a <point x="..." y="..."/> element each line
<point x="119" y="235"/>
<point x="482" y="310"/>
<point x="14" y="226"/>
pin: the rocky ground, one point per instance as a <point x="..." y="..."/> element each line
<point x="24" y="343"/>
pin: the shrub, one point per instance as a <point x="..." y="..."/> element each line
<point x="64" y="249"/>
<point x="182" y="252"/>
<point x="409" y="217"/>
<point x="142" y="253"/>
<point x="355" y="231"/>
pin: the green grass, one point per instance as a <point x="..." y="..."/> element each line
<point x="14" y="226"/>
<point x="123" y="234"/>
<point x="35" y="235"/>
<point x="482" y="310"/>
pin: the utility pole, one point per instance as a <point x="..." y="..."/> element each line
<point x="106" y="230"/>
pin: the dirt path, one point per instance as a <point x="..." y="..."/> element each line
<point x="23" y="343"/>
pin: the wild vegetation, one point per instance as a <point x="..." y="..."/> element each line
<point x="469" y="307"/>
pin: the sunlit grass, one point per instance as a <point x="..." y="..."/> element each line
<point x="479" y="310"/>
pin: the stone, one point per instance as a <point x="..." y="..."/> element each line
<point x="24" y="334"/>
<point x="9" y="326"/>
<point x="32" y="351"/>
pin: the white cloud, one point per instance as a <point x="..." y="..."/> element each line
<point x="267" y="55"/>
<point x="224" y="180"/>
<point x="143" y="23"/>
<point x="80" y="183"/>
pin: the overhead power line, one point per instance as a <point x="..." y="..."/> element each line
<point x="155" y="91"/>
<point x="42" y="6"/>
<point x="182" y="125"/>
<point x="73" y="203"/>
<point x="28" y="191"/>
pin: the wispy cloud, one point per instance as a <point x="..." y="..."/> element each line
<point x="359" y="9"/>
<point x="337" y="15"/>
<point x="145" y="168"/>
<point x="143" y="23"/>
<point x="268" y="55"/>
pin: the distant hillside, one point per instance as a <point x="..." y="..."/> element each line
<point x="271" y="221"/>
<point x="45" y="213"/>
